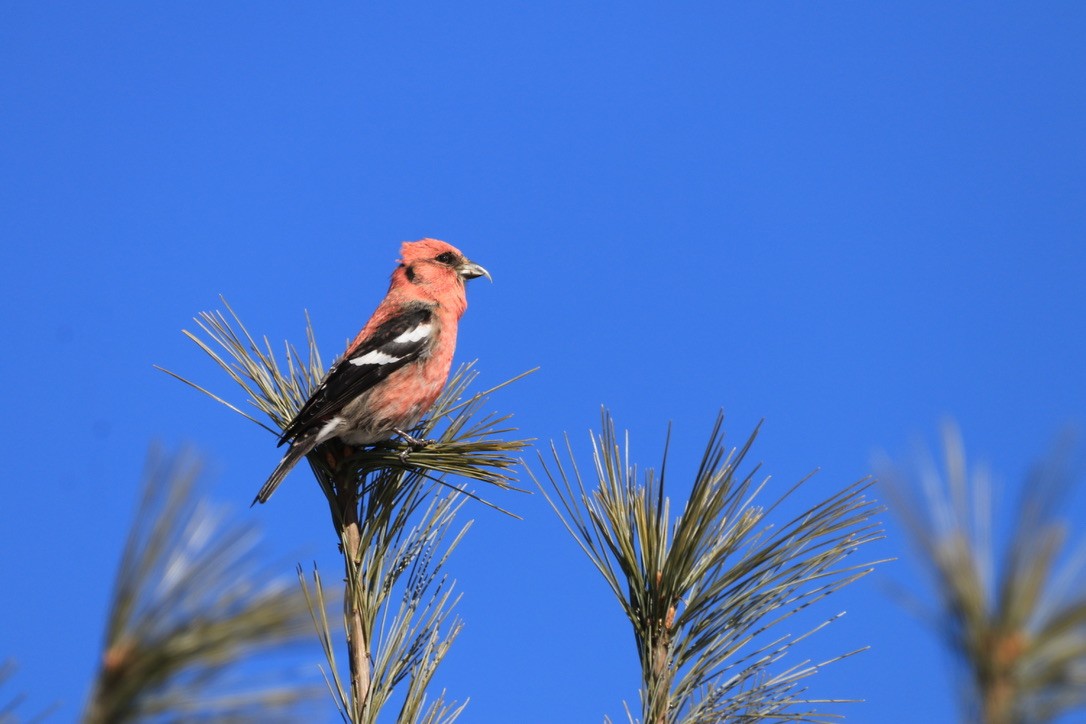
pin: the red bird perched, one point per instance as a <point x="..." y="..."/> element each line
<point x="396" y="367"/>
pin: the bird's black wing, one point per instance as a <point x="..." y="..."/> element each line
<point x="400" y="340"/>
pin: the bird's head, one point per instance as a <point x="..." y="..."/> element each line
<point x="436" y="270"/>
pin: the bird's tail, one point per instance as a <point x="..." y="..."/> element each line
<point x="298" y="450"/>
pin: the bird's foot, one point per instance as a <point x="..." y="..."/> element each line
<point x="413" y="444"/>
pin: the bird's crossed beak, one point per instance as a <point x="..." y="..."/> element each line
<point x="470" y="270"/>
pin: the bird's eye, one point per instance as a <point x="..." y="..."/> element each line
<point x="446" y="258"/>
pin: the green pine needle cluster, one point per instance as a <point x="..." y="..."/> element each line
<point x="705" y="587"/>
<point x="190" y="602"/>
<point x="1014" y="618"/>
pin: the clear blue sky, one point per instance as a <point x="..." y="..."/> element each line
<point x="850" y="219"/>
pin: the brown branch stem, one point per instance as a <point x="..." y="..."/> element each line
<point x="358" y="643"/>
<point x="658" y="677"/>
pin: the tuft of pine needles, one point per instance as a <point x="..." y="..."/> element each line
<point x="191" y="602"/>
<point x="705" y="589"/>
<point x="389" y="519"/>
<point x="1014" y="617"/>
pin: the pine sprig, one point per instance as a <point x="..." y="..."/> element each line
<point x="704" y="589"/>
<point x="1015" y="619"/>
<point x="391" y="526"/>
<point x="190" y="601"/>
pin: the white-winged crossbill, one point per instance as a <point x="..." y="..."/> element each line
<point x="396" y="367"/>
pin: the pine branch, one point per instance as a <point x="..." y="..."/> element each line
<point x="704" y="589"/>
<point x="1015" y="622"/>
<point x="190" y="602"/>
<point x="390" y="526"/>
